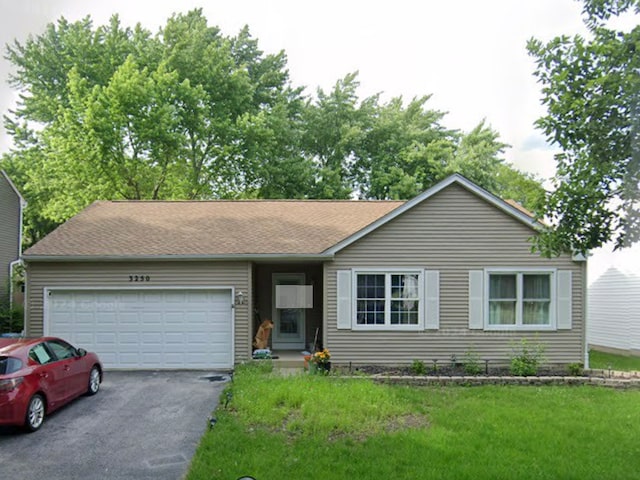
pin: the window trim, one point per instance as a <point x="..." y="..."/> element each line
<point x="387" y="309"/>
<point x="519" y="326"/>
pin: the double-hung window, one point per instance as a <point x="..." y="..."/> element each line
<point x="520" y="299"/>
<point x="388" y="299"/>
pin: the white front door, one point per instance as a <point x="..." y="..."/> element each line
<point x="288" y="329"/>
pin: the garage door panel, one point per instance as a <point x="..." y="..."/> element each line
<point x="154" y="338"/>
<point x="151" y="319"/>
<point x="128" y="359"/>
<point x="147" y="328"/>
<point x="102" y="319"/>
<point x="84" y="338"/>
<point x="63" y="320"/>
<point x="174" y="338"/>
<point x="109" y="358"/>
<point x="175" y="297"/>
<point x="106" y="339"/>
<point x="128" y="318"/>
<point x="196" y="339"/>
<point x="173" y="318"/>
<point x="128" y="338"/>
<point x="151" y="359"/>
<point x="174" y="360"/>
<point x="62" y="304"/>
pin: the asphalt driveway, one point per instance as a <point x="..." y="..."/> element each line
<point x="141" y="425"/>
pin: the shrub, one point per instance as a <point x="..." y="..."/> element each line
<point x="526" y="358"/>
<point x="418" y="367"/>
<point x="472" y="365"/>
<point x="575" y="369"/>
<point x="11" y="319"/>
<point x="454" y="361"/>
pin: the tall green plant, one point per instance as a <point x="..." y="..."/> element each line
<point x="526" y="358"/>
<point x="11" y="319"/>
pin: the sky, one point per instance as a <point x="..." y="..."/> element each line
<point x="469" y="55"/>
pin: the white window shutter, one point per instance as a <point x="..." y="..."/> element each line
<point x="563" y="300"/>
<point x="344" y="299"/>
<point x="476" y="299"/>
<point x="432" y="299"/>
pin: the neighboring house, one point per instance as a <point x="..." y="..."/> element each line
<point x="185" y="284"/>
<point x="614" y="312"/>
<point x="11" y="206"/>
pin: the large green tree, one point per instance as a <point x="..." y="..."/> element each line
<point x="188" y="113"/>
<point x="114" y="112"/>
<point x="591" y="88"/>
<point x="396" y="149"/>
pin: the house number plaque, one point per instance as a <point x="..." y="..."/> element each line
<point x="139" y="278"/>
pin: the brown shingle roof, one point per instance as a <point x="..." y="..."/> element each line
<point x="148" y="228"/>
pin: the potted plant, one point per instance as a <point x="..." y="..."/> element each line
<point x="321" y="360"/>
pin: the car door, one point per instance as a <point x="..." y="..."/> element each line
<point x="48" y="376"/>
<point x="71" y="366"/>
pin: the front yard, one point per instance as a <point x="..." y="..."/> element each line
<point x="612" y="361"/>
<point x="313" y="427"/>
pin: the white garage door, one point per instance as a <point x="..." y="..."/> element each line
<point x="146" y="329"/>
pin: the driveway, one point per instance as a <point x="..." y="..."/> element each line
<point x="141" y="425"/>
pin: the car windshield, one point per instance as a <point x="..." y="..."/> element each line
<point x="9" y="365"/>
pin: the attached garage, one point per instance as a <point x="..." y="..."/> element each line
<point x="146" y="328"/>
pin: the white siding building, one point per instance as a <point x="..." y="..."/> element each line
<point x="614" y="312"/>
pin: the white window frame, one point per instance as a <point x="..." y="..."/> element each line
<point x="387" y="272"/>
<point x="519" y="326"/>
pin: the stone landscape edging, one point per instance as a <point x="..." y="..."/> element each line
<point x="443" y="380"/>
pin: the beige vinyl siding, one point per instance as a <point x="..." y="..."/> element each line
<point x="162" y="274"/>
<point x="452" y="232"/>
<point x="9" y="233"/>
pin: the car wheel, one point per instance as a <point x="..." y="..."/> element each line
<point x="35" y="413"/>
<point x="94" y="381"/>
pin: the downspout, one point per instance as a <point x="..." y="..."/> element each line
<point x="585" y="308"/>
<point x="23" y="204"/>
<point x="12" y="267"/>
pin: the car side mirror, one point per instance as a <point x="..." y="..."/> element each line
<point x="81" y="352"/>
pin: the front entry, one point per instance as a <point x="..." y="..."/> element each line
<point x="288" y="330"/>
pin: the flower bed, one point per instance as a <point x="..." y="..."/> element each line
<point x="444" y="380"/>
<point x="499" y="375"/>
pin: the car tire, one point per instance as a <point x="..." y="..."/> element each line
<point x="94" y="381"/>
<point x="35" y="413"/>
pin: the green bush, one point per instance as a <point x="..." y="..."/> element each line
<point x="526" y="358"/>
<point x="418" y="367"/>
<point x="472" y="362"/>
<point x="11" y="319"/>
<point x="575" y="369"/>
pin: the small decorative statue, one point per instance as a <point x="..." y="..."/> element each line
<point x="262" y="337"/>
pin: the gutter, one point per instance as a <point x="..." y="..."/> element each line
<point x="195" y="258"/>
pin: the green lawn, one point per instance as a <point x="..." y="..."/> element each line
<point x="615" y="362"/>
<point x="310" y="427"/>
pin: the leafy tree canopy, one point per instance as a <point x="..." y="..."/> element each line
<point x="591" y="88"/>
<point x="112" y="112"/>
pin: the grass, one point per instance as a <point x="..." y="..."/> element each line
<point x="616" y="362"/>
<point x="310" y="427"/>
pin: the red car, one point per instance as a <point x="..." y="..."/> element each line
<point x="39" y="375"/>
